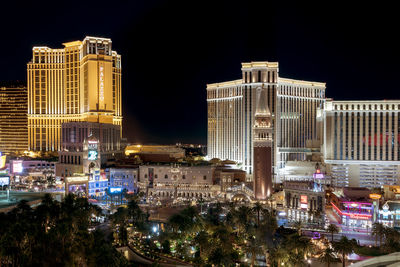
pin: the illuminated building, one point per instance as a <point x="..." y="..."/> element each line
<point x="80" y="82"/>
<point x="305" y="201"/>
<point x="361" y="142"/>
<point x="262" y="159"/>
<point x="86" y="146"/>
<point x="156" y="153"/>
<point x="125" y="178"/>
<point x="173" y="182"/>
<point x="13" y="119"/>
<point x="293" y="105"/>
<point x="353" y="207"/>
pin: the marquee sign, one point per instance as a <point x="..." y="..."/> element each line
<point x="101" y="85"/>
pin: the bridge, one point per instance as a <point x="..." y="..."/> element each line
<point x="240" y="193"/>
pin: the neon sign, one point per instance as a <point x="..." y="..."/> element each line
<point x="101" y="84"/>
<point x="352" y="215"/>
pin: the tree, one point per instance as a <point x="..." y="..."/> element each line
<point x="257" y="209"/>
<point x="278" y="255"/>
<point x="378" y="230"/>
<point x="332" y="229"/>
<point x="328" y="257"/>
<point x="298" y="225"/>
<point x="344" y="247"/>
<point x="254" y="248"/>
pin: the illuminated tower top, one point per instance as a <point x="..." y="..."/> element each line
<point x="262" y="121"/>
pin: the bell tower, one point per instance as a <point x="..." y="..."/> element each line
<point x="262" y="142"/>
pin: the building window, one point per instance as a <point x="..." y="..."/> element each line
<point x="183" y="177"/>
<point x="204" y="177"/>
<point x="166" y="176"/>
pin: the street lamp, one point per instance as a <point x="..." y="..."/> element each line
<point x="309" y="262"/>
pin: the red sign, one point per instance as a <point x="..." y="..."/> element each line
<point x="303" y="199"/>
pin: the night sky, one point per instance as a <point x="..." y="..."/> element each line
<point x="172" y="49"/>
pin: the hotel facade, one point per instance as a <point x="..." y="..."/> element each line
<point x="80" y="82"/>
<point x="13" y="119"/>
<point x="357" y="142"/>
<point x="293" y="105"/>
<point x="361" y="142"/>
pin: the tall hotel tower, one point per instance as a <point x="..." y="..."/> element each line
<point x="80" y="82"/>
<point x="293" y="105"/>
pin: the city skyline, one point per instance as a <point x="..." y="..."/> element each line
<point x="341" y="47"/>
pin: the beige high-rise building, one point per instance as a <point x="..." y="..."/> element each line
<point x="80" y="82"/>
<point x="13" y="119"/>
<point x="293" y="105"/>
<point x="361" y="142"/>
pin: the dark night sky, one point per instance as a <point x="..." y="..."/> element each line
<point x="172" y="49"/>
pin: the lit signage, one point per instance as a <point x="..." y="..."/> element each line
<point x="303" y="202"/>
<point x="17" y="166"/>
<point x="352" y="215"/>
<point x="115" y="190"/>
<point x="101" y="84"/>
<point x="4" y="181"/>
<point x="2" y="161"/>
<point x="93" y="154"/>
<point x="375" y="196"/>
<point x="318" y="176"/>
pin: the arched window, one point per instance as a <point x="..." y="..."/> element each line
<point x="166" y="176"/>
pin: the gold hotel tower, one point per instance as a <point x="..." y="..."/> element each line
<point x="80" y="82"/>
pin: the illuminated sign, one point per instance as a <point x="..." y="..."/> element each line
<point x="17" y="166"/>
<point x="318" y="176"/>
<point x="352" y="215"/>
<point x="375" y="196"/>
<point x="101" y="84"/>
<point x="93" y="154"/>
<point x="2" y="161"/>
<point x="303" y="202"/>
<point x="4" y="181"/>
<point x="115" y="190"/>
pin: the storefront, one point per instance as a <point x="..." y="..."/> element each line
<point x="354" y="214"/>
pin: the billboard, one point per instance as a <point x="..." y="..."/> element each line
<point x="77" y="189"/>
<point x="17" y="166"/>
<point x="2" y="161"/>
<point x="5" y="180"/>
<point x="115" y="190"/>
<point x="303" y="202"/>
<point x="93" y="155"/>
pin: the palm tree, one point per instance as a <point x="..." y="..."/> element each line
<point x="257" y="209"/>
<point x="278" y="255"/>
<point x="298" y="225"/>
<point x="254" y="248"/>
<point x="345" y="247"/>
<point x="332" y="229"/>
<point x="328" y="257"/>
<point x="378" y="230"/>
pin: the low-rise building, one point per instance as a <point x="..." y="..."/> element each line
<point x="176" y="181"/>
<point x="353" y="207"/>
<point x="305" y="201"/>
<point x="389" y="214"/>
<point x="125" y="178"/>
<point x="156" y="153"/>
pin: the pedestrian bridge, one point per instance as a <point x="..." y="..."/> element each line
<point x="239" y="193"/>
